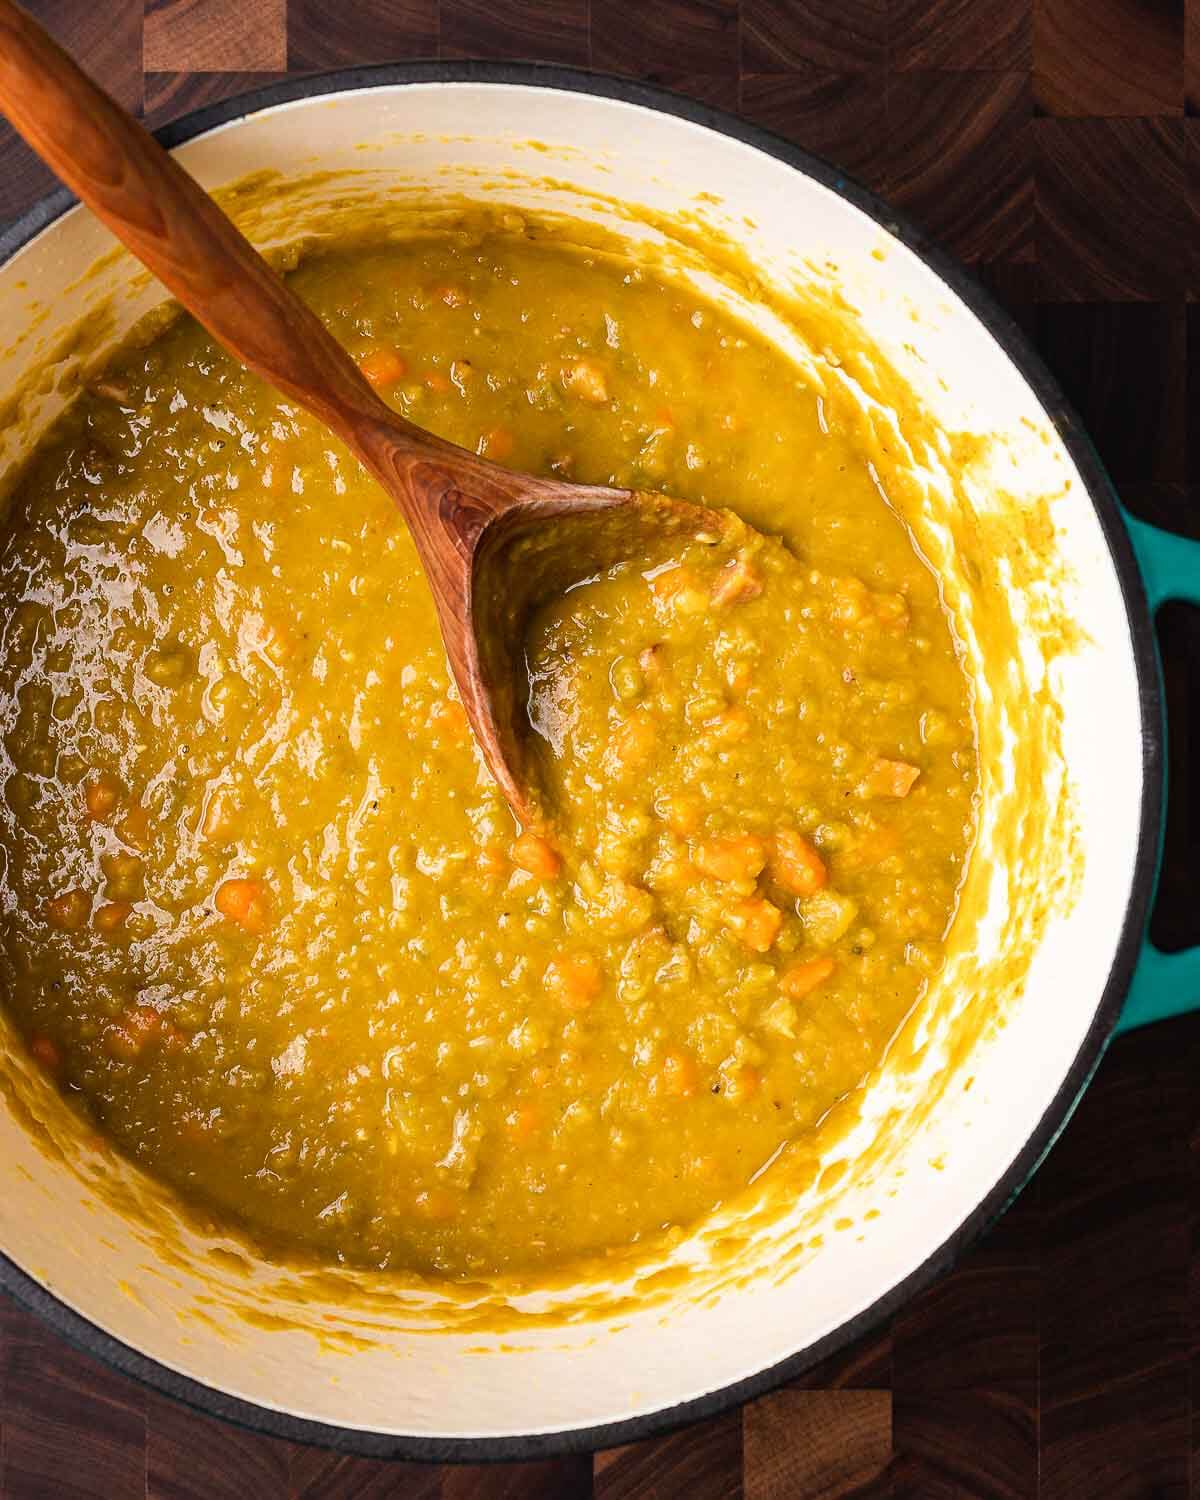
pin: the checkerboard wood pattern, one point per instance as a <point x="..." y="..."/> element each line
<point x="1055" y="146"/>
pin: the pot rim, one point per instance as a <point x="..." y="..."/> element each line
<point x="95" y="1341"/>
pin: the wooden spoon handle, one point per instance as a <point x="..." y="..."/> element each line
<point x="174" y="227"/>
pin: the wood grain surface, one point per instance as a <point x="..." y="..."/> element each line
<point x="1055" y="146"/>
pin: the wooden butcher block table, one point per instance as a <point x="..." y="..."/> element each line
<point x="1051" y="145"/>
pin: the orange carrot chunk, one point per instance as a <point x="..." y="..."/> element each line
<point x="521" y="1123"/>
<point x="795" y="864"/>
<point x="670" y="581"/>
<point x="491" y="862"/>
<point x="850" y="603"/>
<point x="383" y="366"/>
<point x="798" y="980"/>
<point x="69" y="911"/>
<point x="574" y="981"/>
<point x="586" y="380"/>
<point x="111" y="918"/>
<point x="134" y="827"/>
<point x="729" y="726"/>
<point x="652" y="659"/>
<point x="679" y="1075"/>
<point x="736" y="582"/>
<point x="634" y="741"/>
<point x="138" y="1027"/>
<point x="497" y="444"/>
<point x="680" y="813"/>
<point x="437" y="1204"/>
<point x="742" y="1084"/>
<point x="889" y="778"/>
<point x="892" y="612"/>
<point x="730" y="858"/>
<point x="101" y="796"/>
<point x="46" y="1052"/>
<point x="450" y="717"/>
<point x="536" y="856"/>
<point x="756" y="922"/>
<point x="243" y="902"/>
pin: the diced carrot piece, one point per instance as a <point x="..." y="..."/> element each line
<point x="450" y="717"/>
<point x="851" y="602"/>
<point x="854" y="604"/>
<point x="574" y="981"/>
<point x="730" y="858"/>
<point x="43" y="1050"/>
<point x="69" y="911"/>
<point x="437" y="382"/>
<point x="889" y="778"/>
<point x="497" y="444"/>
<point x="795" y="864"/>
<point x="664" y="418"/>
<point x="586" y="380"/>
<point x="736" y="582"/>
<point x="491" y="862"/>
<point x="110" y="918"/>
<point x="742" y="1084"/>
<point x="243" y="902"/>
<point x="739" y="677"/>
<point x="729" y="727"/>
<point x="536" y="856"/>
<point x="756" y="922"/>
<point x="892" y="612"/>
<point x="436" y="1204"/>
<point x="635" y="739"/>
<point x="676" y="875"/>
<point x="679" y="1074"/>
<point x="275" y="641"/>
<point x="383" y="366"/>
<point x="651" y="660"/>
<point x="521" y="1123"/>
<point x="798" y="980"/>
<point x="102" y="795"/>
<point x="452" y="296"/>
<point x="134" y="827"/>
<point x="144" y="1020"/>
<point x="670" y="581"/>
<point x="681" y="814"/>
<point x="137" y="1028"/>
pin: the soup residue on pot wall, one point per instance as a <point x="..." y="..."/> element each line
<point x="998" y="568"/>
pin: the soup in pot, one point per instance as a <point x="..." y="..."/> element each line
<point x="266" y="919"/>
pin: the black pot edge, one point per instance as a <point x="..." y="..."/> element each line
<point x="94" y="1341"/>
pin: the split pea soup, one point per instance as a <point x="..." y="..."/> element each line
<point x="266" y="919"/>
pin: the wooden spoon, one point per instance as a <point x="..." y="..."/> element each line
<point x="491" y="541"/>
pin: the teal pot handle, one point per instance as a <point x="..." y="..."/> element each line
<point x="1164" y="984"/>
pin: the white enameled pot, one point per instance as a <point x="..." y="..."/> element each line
<point x="954" y="1122"/>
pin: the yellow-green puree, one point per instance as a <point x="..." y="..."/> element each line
<point x="267" y="920"/>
